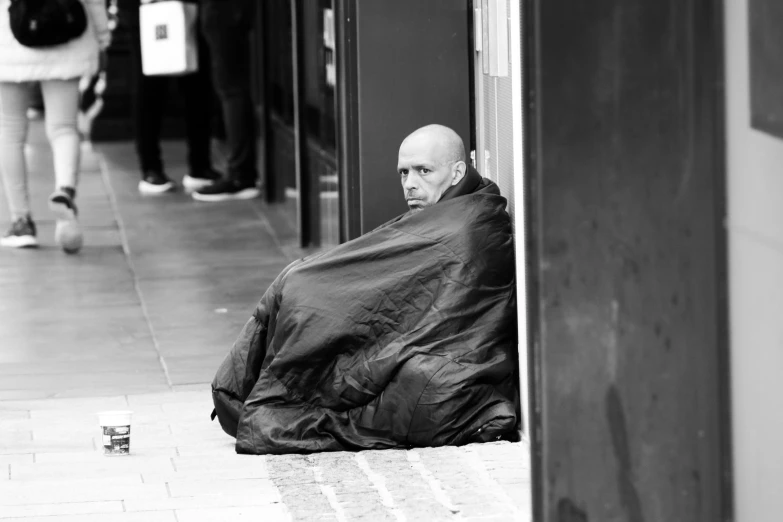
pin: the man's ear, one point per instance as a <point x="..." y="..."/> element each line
<point x="458" y="171"/>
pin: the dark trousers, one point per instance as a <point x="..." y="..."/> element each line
<point x="151" y="94"/>
<point x="226" y="25"/>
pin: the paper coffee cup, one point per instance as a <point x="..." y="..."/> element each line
<point x="116" y="427"/>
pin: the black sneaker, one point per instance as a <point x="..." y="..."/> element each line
<point x="68" y="233"/>
<point x="21" y="234"/>
<point x="199" y="180"/>
<point x="155" y="182"/>
<point x="226" y="190"/>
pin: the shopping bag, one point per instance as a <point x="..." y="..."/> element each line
<point x="169" y="38"/>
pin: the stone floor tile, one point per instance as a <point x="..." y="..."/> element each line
<point x="179" y="388"/>
<point x="76" y="404"/>
<point x="199" y="451"/>
<point x="510" y="475"/>
<point x="274" y="513"/>
<point x="63" y="382"/>
<point x="136" y="387"/>
<point x="311" y="515"/>
<point x="493" y="518"/>
<point x="194" y="488"/>
<point x="198" y="502"/>
<point x="165" y="398"/>
<point x="67" y="508"/>
<point x="68" y="492"/>
<point x="69" y="419"/>
<point x="23" y="458"/>
<point x="184" y="446"/>
<point x="216" y="473"/>
<point x="129" y="364"/>
<point x="98" y="456"/>
<point x="46" y="447"/>
<point x="486" y="509"/>
<point x="148" y="516"/>
<point x="199" y="419"/>
<point x="202" y="428"/>
<point x="371" y="511"/>
<point x="204" y="463"/>
<point x="108" y="467"/>
<point x="304" y="500"/>
<point x="14" y="395"/>
<point x="14" y="486"/>
<point x="195" y="404"/>
<point x="7" y="414"/>
<point x="12" y="436"/>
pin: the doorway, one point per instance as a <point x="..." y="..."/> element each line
<point x="295" y="87"/>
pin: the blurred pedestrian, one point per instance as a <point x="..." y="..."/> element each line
<point x="150" y="96"/>
<point x="227" y="25"/>
<point x="58" y="68"/>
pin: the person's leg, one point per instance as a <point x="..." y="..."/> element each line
<point x="196" y="91"/>
<point x="14" y="100"/>
<point x="61" y="98"/>
<point x="13" y="135"/>
<point x="149" y="102"/>
<point x="227" y="25"/>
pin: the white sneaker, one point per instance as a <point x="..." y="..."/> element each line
<point x="67" y="233"/>
<point x="155" y="183"/>
<point x="206" y="179"/>
<point x="21" y="234"/>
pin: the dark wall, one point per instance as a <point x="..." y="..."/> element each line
<point x="412" y="69"/>
<point x="628" y="190"/>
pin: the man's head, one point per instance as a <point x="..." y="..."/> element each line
<point x="431" y="160"/>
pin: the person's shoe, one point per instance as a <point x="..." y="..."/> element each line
<point x="201" y="179"/>
<point x="155" y="182"/>
<point x="21" y="234"/>
<point x="35" y="113"/>
<point x="67" y="233"/>
<point x="227" y="190"/>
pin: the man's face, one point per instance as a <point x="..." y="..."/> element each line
<point x="425" y="172"/>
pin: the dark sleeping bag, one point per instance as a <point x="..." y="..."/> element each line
<point x="405" y="336"/>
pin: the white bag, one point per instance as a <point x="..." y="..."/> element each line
<point x="169" y="38"/>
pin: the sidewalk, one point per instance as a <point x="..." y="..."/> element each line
<point x="140" y="320"/>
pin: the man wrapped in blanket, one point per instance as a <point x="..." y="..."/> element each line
<point x="405" y="336"/>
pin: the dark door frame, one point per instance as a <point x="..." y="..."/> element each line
<point x="347" y="120"/>
<point x="309" y="202"/>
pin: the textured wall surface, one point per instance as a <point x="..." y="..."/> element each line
<point x="628" y="160"/>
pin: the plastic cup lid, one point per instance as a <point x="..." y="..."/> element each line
<point x="115" y="418"/>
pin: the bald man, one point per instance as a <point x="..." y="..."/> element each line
<point x="402" y="337"/>
<point x="431" y="160"/>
